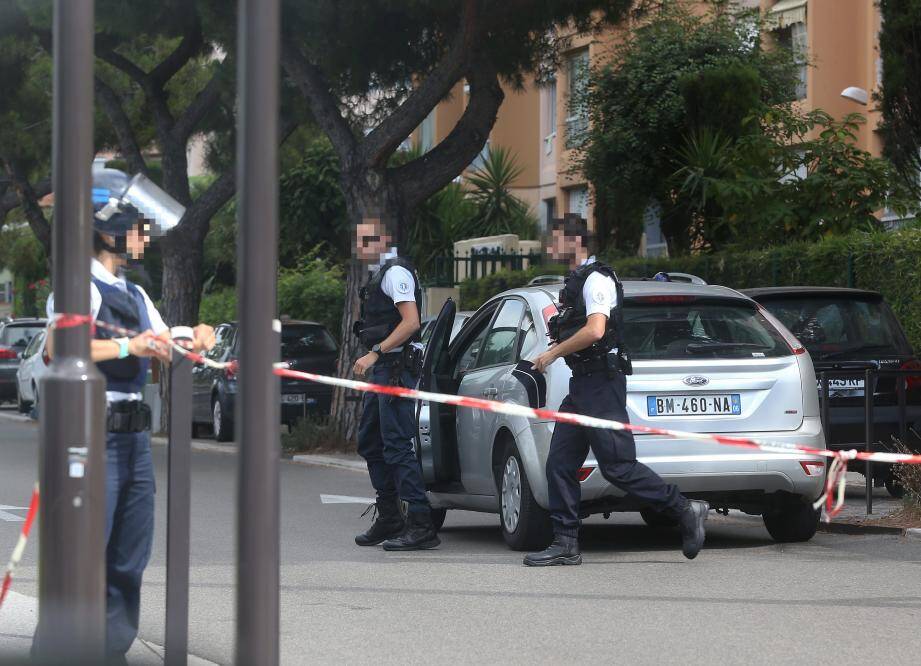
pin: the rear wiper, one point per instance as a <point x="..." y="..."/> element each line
<point x="694" y="347"/>
<point x="854" y="348"/>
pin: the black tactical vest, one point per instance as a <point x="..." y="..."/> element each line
<point x="572" y="316"/>
<point x="379" y="314"/>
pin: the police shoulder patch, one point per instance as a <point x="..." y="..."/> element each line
<point x="600" y="296"/>
<point x="403" y="287"/>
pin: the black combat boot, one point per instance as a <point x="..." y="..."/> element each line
<point x="563" y="550"/>
<point x="420" y="533"/>
<point x="692" y="528"/>
<point x="388" y="523"/>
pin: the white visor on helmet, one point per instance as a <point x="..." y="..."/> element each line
<point x="153" y="204"/>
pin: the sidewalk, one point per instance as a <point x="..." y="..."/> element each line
<point x="19" y="616"/>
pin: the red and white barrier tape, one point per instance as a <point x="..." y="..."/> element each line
<point x="20" y="545"/>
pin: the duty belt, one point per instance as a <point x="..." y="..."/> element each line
<point x="610" y="364"/>
<point x="127" y="416"/>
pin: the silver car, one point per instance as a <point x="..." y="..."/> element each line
<point x="705" y="359"/>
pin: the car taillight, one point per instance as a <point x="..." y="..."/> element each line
<point x="812" y="467"/>
<point x="912" y="382"/>
<point x="45" y="358"/>
<point x="585" y="472"/>
<point x="7" y="354"/>
<point x="230" y="370"/>
<point x="549" y="312"/>
<point x="796" y="347"/>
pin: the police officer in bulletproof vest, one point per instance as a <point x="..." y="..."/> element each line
<point x="121" y="234"/>
<point x="587" y="336"/>
<point x="389" y="329"/>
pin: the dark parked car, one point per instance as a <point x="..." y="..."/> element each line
<point x="15" y="336"/>
<point x="852" y="329"/>
<point x="305" y="345"/>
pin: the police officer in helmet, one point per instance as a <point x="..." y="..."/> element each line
<point x="389" y="330"/>
<point x="127" y="213"/>
<point x="587" y="336"/>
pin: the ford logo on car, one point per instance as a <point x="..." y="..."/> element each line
<point x="696" y="380"/>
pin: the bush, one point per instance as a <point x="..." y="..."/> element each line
<point x="315" y="435"/>
<point x="314" y="291"/>
<point x="887" y="262"/>
<point x="473" y="293"/>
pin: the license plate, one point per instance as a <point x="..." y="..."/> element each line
<point x="842" y="385"/>
<point x="694" y="405"/>
<point x="292" y="399"/>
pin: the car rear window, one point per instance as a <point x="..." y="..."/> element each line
<point x="682" y="328"/>
<point x="299" y="340"/>
<point x="19" y="336"/>
<point x="835" y="325"/>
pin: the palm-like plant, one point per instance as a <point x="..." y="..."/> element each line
<point x="498" y="210"/>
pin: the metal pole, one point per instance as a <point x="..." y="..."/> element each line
<point x="178" y="501"/>
<point x="258" y="396"/>
<point x="71" y="577"/>
<point x="868" y="436"/>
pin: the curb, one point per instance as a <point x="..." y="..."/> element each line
<point x="913" y="533"/>
<point x="855" y="529"/>
<point x="19" y="418"/>
<point x="330" y="461"/>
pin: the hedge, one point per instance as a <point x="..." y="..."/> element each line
<point x="887" y="262"/>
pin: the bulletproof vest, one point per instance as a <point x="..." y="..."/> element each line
<point x="572" y="316"/>
<point x="379" y="314"/>
<point x="126" y="309"/>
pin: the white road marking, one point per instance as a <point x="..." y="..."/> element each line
<point x="345" y="499"/>
<point x="9" y="517"/>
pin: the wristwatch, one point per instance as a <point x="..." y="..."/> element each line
<point x="377" y="349"/>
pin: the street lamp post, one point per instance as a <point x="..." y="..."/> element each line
<point x="258" y="394"/>
<point x="71" y="577"/>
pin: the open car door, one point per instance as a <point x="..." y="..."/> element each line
<point x="437" y="436"/>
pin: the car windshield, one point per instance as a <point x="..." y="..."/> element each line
<point x="19" y="336"/>
<point x="690" y="328"/>
<point x="299" y="340"/>
<point x="837" y="326"/>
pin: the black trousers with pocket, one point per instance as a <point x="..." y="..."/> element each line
<point x="615" y="451"/>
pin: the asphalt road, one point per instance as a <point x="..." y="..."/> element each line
<point x="837" y="599"/>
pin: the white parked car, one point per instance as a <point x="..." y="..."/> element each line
<point x="32" y="367"/>
<point x="705" y="359"/>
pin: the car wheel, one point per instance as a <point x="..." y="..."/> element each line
<point x="24" y="406"/>
<point x="657" y="519"/>
<point x="221" y="424"/>
<point x="525" y="524"/>
<point x="792" y="523"/>
<point x="894" y="486"/>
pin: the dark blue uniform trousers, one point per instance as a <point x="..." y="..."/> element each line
<point x="615" y="452"/>
<point x="385" y="441"/>
<point x="129" y="533"/>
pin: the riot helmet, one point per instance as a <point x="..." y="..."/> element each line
<point x="120" y="203"/>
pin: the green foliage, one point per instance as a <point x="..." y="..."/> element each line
<point x="446" y="217"/>
<point x="498" y="211"/>
<point x="887" y="262"/>
<point x="829" y="185"/>
<point x="473" y="293"/>
<point x="314" y="290"/>
<point x="218" y="306"/>
<point x="315" y="434"/>
<point x="639" y="105"/>
<point x="23" y="255"/>
<point x="900" y="90"/>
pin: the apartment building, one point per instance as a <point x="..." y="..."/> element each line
<point x="838" y="39"/>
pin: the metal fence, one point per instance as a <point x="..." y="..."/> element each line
<point x="451" y="270"/>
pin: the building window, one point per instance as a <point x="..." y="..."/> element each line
<point x="549" y="212"/>
<point x="787" y="19"/>
<point x="578" y="201"/>
<point x="550" y="114"/>
<point x="577" y="69"/>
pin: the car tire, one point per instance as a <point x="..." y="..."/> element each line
<point x="657" y="519"/>
<point x="525" y="524"/>
<point x="792" y="523"/>
<point x="221" y="423"/>
<point x="23" y="406"/>
<point x="894" y="486"/>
